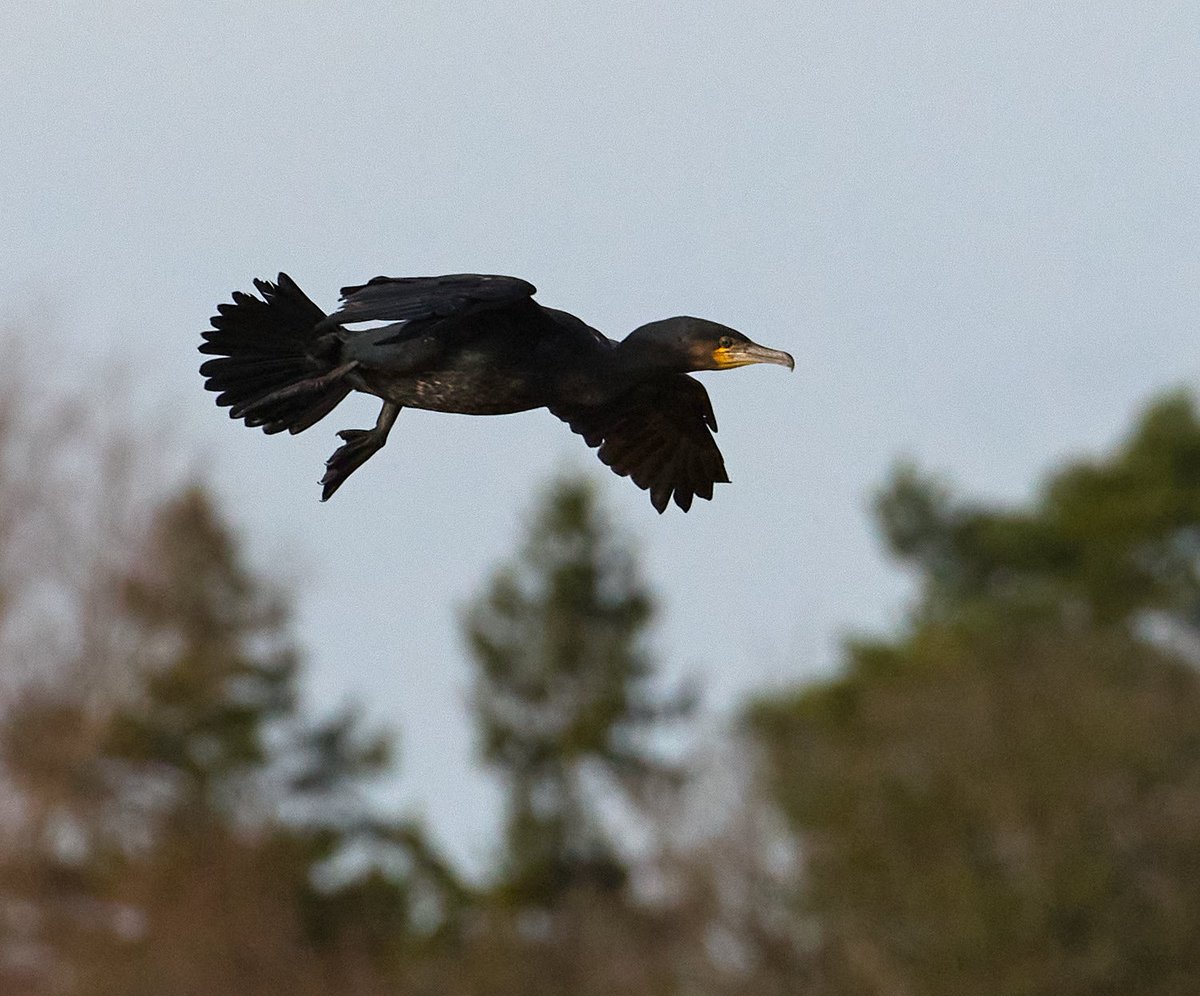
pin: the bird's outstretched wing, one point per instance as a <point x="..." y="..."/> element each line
<point x="659" y="435"/>
<point x="401" y="299"/>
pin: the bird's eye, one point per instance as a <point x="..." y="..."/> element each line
<point x="725" y="341"/>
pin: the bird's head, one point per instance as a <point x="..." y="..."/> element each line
<point x="686" y="344"/>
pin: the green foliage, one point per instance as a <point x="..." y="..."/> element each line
<point x="566" y="698"/>
<point x="1013" y="810"/>
<point x="216" y="665"/>
<point x="1007" y="799"/>
<point x="1115" y="537"/>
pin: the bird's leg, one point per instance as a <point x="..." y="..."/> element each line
<point x="358" y="447"/>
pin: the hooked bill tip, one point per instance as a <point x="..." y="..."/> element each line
<point x="763" y="354"/>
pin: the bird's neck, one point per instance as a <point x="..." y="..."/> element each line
<point x="637" y="358"/>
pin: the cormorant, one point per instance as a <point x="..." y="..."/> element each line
<point x="478" y="345"/>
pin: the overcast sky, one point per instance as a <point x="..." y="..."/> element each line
<point x="975" y="225"/>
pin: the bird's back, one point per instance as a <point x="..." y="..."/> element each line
<point x="488" y="362"/>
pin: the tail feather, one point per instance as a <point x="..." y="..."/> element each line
<point x="271" y="359"/>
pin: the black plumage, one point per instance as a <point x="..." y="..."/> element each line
<point x="477" y="345"/>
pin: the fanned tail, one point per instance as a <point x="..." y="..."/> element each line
<point x="273" y="367"/>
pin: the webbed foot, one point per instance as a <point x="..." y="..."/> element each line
<point x="358" y="447"/>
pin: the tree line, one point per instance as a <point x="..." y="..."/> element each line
<point x="1002" y="796"/>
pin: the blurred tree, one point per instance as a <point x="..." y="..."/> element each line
<point x="70" y="489"/>
<point x="203" y="783"/>
<point x="218" y="730"/>
<point x="566" y="699"/>
<point x="218" y="671"/>
<point x="1003" y="809"/>
<point x="1115" y="539"/>
<point x="1007" y="799"/>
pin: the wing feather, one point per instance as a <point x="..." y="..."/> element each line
<point x="659" y="435"/>
<point x="401" y="299"/>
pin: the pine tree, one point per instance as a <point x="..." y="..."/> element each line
<point x="218" y="669"/>
<point x="567" y="700"/>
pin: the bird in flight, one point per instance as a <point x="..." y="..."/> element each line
<point x="478" y="345"/>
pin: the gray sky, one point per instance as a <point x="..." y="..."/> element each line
<point x="974" y="224"/>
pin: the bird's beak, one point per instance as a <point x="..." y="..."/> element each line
<point x="742" y="354"/>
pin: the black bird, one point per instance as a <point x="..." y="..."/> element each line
<point x="478" y="345"/>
